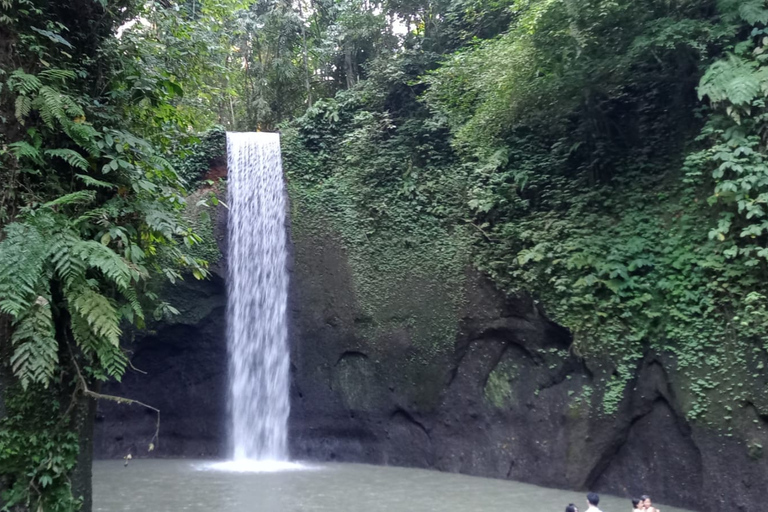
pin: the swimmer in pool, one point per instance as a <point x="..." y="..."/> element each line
<point x="648" y="506"/>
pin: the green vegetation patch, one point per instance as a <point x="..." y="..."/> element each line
<point x="408" y="269"/>
<point x="498" y="388"/>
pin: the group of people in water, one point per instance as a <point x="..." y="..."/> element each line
<point x="641" y="504"/>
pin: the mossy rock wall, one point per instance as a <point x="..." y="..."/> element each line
<point x="498" y="394"/>
<point x="403" y="354"/>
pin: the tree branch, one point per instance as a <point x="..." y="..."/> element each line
<point x="83" y="386"/>
<point x="486" y="235"/>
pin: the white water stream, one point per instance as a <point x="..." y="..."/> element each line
<point x="257" y="296"/>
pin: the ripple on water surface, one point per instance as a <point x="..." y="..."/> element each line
<point x="206" y="486"/>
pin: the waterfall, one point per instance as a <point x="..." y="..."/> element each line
<point x="257" y="296"/>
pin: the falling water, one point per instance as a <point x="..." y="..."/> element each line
<point x="257" y="294"/>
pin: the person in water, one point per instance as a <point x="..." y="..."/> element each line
<point x="637" y="505"/>
<point x="647" y="505"/>
<point x="592" y="500"/>
<point x="571" y="508"/>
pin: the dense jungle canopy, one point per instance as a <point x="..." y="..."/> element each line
<point x="607" y="157"/>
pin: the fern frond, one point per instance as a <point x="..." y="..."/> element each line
<point x="69" y="266"/>
<point x="71" y="107"/>
<point x="49" y="104"/>
<point x="108" y="261"/>
<point x="98" y="311"/>
<point x="109" y="356"/>
<point x="23" y="108"/>
<point x="159" y="162"/>
<point x="96" y="215"/>
<point x="754" y="12"/>
<point x="84" y="336"/>
<point x="161" y="222"/>
<point x="93" y="182"/>
<point x="113" y="360"/>
<point x="70" y="156"/>
<point x="23" y="149"/>
<point x="22" y="256"/>
<point x="81" y="196"/>
<point x="57" y="75"/>
<point x="733" y="79"/>
<point x="22" y="82"/>
<point x="36" y="351"/>
<point x="743" y="89"/>
<point x="83" y="134"/>
<point x="133" y="300"/>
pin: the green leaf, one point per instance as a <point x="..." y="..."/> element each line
<point x="57" y="75"/>
<point x="754" y="12"/>
<point x="93" y="182"/>
<point x="56" y="38"/>
<point x="110" y="263"/>
<point x="70" y="156"/>
<point x="99" y="312"/>
<point x="35" y="347"/>
<point x="23" y="149"/>
<point x="19" y="81"/>
<point x="79" y="197"/>
<point x="22" y="256"/>
<point x="22" y="108"/>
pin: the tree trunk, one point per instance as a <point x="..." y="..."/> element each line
<point x="349" y="70"/>
<point x="5" y="377"/>
<point x="307" y="83"/>
<point x="83" y="418"/>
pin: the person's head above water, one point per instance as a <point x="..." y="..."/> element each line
<point x="571" y="508"/>
<point x="593" y="499"/>
<point x="636" y="502"/>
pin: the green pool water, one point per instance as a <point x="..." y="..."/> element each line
<point x="194" y="486"/>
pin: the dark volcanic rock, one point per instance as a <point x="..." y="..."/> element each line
<point x="179" y="368"/>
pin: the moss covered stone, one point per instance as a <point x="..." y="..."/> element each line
<point x="498" y="388"/>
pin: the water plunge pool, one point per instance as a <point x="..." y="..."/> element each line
<point x="194" y="486"/>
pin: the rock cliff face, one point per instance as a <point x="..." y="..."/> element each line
<point x="492" y="389"/>
<point x="507" y="401"/>
<point x="181" y="369"/>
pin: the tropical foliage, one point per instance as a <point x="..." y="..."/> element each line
<point x="606" y="157"/>
<point x="91" y="211"/>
